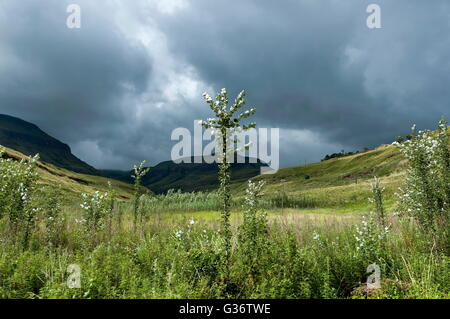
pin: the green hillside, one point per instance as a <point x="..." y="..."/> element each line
<point x="29" y="139"/>
<point x="353" y="171"/>
<point x="336" y="184"/>
<point x="194" y="176"/>
<point x="73" y="184"/>
<point x="188" y="177"/>
<point x="341" y="184"/>
<point x="382" y="161"/>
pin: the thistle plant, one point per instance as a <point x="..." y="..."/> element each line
<point x="138" y="173"/>
<point x="223" y="127"/>
<point x="426" y="194"/>
<point x="377" y="200"/>
<point x="370" y="238"/>
<point x="254" y="230"/>
<point x="96" y="207"/>
<point x="254" y="223"/>
<point x="53" y="219"/>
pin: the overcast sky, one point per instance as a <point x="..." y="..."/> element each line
<point x="115" y="88"/>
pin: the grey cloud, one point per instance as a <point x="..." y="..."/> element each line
<point x="116" y="88"/>
<point x="293" y="57"/>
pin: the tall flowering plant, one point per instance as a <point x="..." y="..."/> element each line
<point x="18" y="182"/>
<point x="95" y="207"/>
<point x="139" y="171"/>
<point x="426" y="193"/>
<point x="224" y="126"/>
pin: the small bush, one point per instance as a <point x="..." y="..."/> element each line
<point x="18" y="184"/>
<point x="426" y="194"/>
<point x="253" y="233"/>
<point x="96" y="208"/>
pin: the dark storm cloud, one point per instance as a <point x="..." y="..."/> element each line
<point x="315" y="64"/>
<point x="70" y="82"/>
<point x="115" y="88"/>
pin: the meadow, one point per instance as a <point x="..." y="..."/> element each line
<point x="180" y="255"/>
<point x="292" y="236"/>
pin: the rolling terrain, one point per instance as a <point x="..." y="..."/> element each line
<point x="339" y="184"/>
<point x="311" y="218"/>
<point x="73" y="184"/>
<point x="29" y="139"/>
<point x="188" y="177"/>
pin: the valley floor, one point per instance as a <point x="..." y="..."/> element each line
<point x="310" y="253"/>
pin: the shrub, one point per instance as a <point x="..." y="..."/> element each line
<point x="370" y="240"/>
<point x="139" y="172"/>
<point x="52" y="213"/>
<point x="253" y="233"/>
<point x="377" y="200"/>
<point x="18" y="184"/>
<point x="96" y="207"/>
<point x="426" y="194"/>
<point x="178" y="201"/>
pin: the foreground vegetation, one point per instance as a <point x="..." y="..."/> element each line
<point x="305" y="258"/>
<point x="170" y="246"/>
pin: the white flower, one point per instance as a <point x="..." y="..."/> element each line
<point x="316" y="236"/>
<point x="179" y="234"/>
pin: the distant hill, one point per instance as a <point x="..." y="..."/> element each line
<point x="382" y="161"/>
<point x="73" y="184"/>
<point x="341" y="183"/>
<point x="385" y="162"/>
<point x="188" y="177"/>
<point x="29" y="139"/>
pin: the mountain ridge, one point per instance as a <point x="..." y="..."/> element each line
<point x="29" y="139"/>
<point x="167" y="175"/>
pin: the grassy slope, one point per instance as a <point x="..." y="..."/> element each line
<point x="73" y="183"/>
<point x="194" y="177"/>
<point x="341" y="184"/>
<point x="332" y="183"/>
<point x="187" y="177"/>
<point x="338" y="185"/>
<point x="29" y="139"/>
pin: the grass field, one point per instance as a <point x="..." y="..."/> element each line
<point x="313" y="234"/>
<point x="307" y="254"/>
